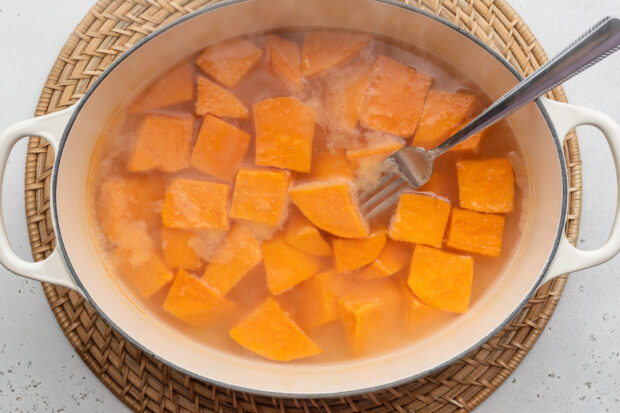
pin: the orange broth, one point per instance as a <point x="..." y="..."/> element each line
<point x="123" y="253"/>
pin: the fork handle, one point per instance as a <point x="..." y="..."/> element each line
<point x="597" y="43"/>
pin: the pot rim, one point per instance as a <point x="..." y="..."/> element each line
<point x="445" y="363"/>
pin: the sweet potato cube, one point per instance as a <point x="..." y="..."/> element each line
<point x="471" y="144"/>
<point x="486" y="185"/>
<point x="475" y="232"/>
<point x="330" y="206"/>
<point x="177" y="86"/>
<point x="286" y="266"/>
<point x="393" y="258"/>
<point x="416" y="310"/>
<point x="192" y="300"/>
<point x="284" y="131"/>
<point x="325" y="49"/>
<point x="315" y="301"/>
<point x="285" y="61"/>
<point x="328" y="165"/>
<point x="343" y="98"/>
<point x="163" y="143"/>
<point x="260" y="195"/>
<point x="122" y="201"/>
<point x="234" y="258"/>
<point x="139" y="262"/>
<point x="219" y="149"/>
<point x="194" y="204"/>
<point x="214" y="99"/>
<point x="258" y="333"/>
<point x="176" y="249"/>
<point x="301" y="234"/>
<point x="374" y="153"/>
<point x="442" y="115"/>
<point x="351" y="254"/>
<point x="395" y="97"/>
<point x="229" y="61"/>
<point x="441" y="279"/>
<point x="420" y="219"/>
<point x="365" y="308"/>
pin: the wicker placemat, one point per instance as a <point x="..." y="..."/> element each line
<point x="144" y="384"/>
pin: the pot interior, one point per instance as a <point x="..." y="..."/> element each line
<point x="540" y="229"/>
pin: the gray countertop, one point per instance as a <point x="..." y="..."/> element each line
<point x="575" y="365"/>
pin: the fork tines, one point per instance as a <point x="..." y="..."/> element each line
<point x="389" y="189"/>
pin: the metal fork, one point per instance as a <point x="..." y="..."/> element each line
<point x="415" y="165"/>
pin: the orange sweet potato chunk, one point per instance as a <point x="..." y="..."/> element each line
<point x="471" y="144"/>
<point x="284" y="132"/>
<point x="420" y="219"/>
<point x="321" y="293"/>
<point x="327" y="165"/>
<point x="176" y="87"/>
<point x="269" y="332"/>
<point x="373" y="153"/>
<point x="395" y="97"/>
<point x="301" y="234"/>
<point x="122" y="201"/>
<point x="260" y="195"/>
<point x="176" y="249"/>
<point x="192" y="300"/>
<point x="142" y="266"/>
<point x="229" y="61"/>
<point x="351" y="254"/>
<point x="343" y="98"/>
<point x="394" y="257"/>
<point x="219" y="148"/>
<point x="214" y="99"/>
<point x="234" y="258"/>
<point x="486" y="185"/>
<point x="416" y="310"/>
<point x="194" y="204"/>
<point x="286" y="266"/>
<point x="475" y="232"/>
<point x="441" y="279"/>
<point x="325" y="49"/>
<point x="285" y="61"/>
<point x="330" y="206"/>
<point x="365" y="308"/>
<point x="443" y="113"/>
<point x="163" y="143"/>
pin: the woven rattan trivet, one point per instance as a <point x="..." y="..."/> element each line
<point x="144" y="384"/>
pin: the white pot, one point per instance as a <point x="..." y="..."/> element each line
<point x="543" y="252"/>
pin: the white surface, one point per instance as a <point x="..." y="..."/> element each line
<point x="575" y="366"/>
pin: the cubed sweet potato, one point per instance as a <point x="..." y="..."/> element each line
<point x="176" y="249"/>
<point x="420" y="219"/>
<point x="163" y="143"/>
<point x="415" y="309"/>
<point x="351" y="254"/>
<point x="395" y="97"/>
<point x="374" y="153"/>
<point x="285" y="62"/>
<point x="121" y="201"/>
<point x="177" y="86"/>
<point x="441" y="279"/>
<point x="219" y="148"/>
<point x="330" y="206"/>
<point x="343" y="97"/>
<point x="192" y="300"/>
<point x="442" y="115"/>
<point x="471" y="144"/>
<point x="286" y="266"/>
<point x="365" y="308"/>
<point x="260" y="195"/>
<point x="234" y="258"/>
<point x="214" y="99"/>
<point x="194" y="204"/>
<point x="229" y="61"/>
<point x="257" y="332"/>
<point x="486" y="185"/>
<point x="303" y="235"/>
<point x="328" y="165"/>
<point x="316" y="303"/>
<point x="284" y="130"/>
<point x="475" y="232"/>
<point x="393" y="258"/>
<point x="325" y="49"/>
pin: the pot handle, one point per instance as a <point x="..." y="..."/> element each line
<point x="568" y="258"/>
<point x="52" y="269"/>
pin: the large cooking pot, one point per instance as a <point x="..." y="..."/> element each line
<point x="543" y="252"/>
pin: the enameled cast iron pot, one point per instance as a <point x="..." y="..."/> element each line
<point x="543" y="252"/>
